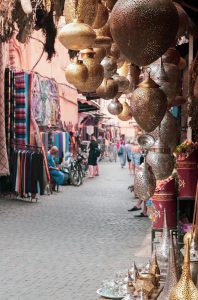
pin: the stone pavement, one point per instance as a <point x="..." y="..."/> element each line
<point x="62" y="247"/>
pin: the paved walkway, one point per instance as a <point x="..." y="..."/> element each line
<point x="62" y="247"/>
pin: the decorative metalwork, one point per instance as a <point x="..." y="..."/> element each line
<point x="83" y="10"/>
<point x="108" y="89"/>
<point x="185" y="288"/>
<point x="110" y="66"/>
<point x="140" y="39"/>
<point x="133" y="77"/>
<point x="123" y="84"/>
<point x="168" y="131"/>
<point x="77" y="36"/>
<point x="101" y="16"/>
<point x="161" y="160"/>
<point x="95" y="72"/>
<point x="172" y="276"/>
<point x="126" y="113"/>
<point x="76" y="72"/>
<point x="146" y="141"/>
<point x="149" y="104"/>
<point x="144" y="182"/>
<point x="133" y="272"/>
<point x="163" y="250"/>
<point x="115" y="107"/>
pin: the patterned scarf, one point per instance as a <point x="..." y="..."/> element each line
<point x="4" y="167"/>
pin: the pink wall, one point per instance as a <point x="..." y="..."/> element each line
<point x="26" y="56"/>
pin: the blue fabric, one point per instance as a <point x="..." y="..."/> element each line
<point x="136" y="158"/>
<point x="57" y="176"/>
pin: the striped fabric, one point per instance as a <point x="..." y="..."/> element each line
<point x="21" y="108"/>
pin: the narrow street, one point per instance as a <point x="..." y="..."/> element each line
<point x="62" y="247"/>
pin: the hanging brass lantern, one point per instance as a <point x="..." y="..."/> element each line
<point x="161" y="79"/>
<point x="171" y="277"/>
<point x="144" y="29"/>
<point x="171" y="56"/>
<point x="126" y="113"/>
<point x="185" y="288"/>
<point x="108" y="89"/>
<point x="110" y="66"/>
<point x="149" y="104"/>
<point x="103" y="37"/>
<point x="101" y="16"/>
<point x="168" y="131"/>
<point x="95" y="72"/>
<point x="144" y="182"/>
<point x="123" y="84"/>
<point x="100" y="53"/>
<point x="173" y="75"/>
<point x="183" y="20"/>
<point x="115" y="107"/>
<point x="76" y="72"/>
<point x="76" y="36"/>
<point x="161" y="160"/>
<point x="83" y="10"/>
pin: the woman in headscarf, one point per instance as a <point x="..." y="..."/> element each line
<point x="122" y="154"/>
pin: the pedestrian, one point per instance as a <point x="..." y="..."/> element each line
<point x="58" y="177"/>
<point x="136" y="155"/>
<point x="122" y="154"/>
<point x="129" y="155"/>
<point x="94" y="153"/>
<point x="115" y="151"/>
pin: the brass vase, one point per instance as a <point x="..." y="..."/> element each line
<point x="140" y="39"/>
<point x="171" y="277"/>
<point x="115" y="107"/>
<point x="76" y="36"/>
<point x="108" y="89"/>
<point x="149" y="104"/>
<point x="95" y="72"/>
<point x="76" y="72"/>
<point x="161" y="160"/>
<point x="144" y="182"/>
<point x="83" y="10"/>
<point x="168" y="131"/>
<point x="122" y="82"/>
<point x="185" y="288"/>
<point x="101" y="16"/>
<point x="110" y="66"/>
<point x="126" y="113"/>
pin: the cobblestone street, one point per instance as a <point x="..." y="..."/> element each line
<point x="62" y="247"/>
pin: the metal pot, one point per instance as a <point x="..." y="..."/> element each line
<point x="115" y="107"/>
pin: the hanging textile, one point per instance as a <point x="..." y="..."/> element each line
<point x="4" y="167"/>
<point x="45" y="101"/>
<point x="21" y="108"/>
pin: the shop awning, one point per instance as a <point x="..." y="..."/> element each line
<point x="85" y="106"/>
